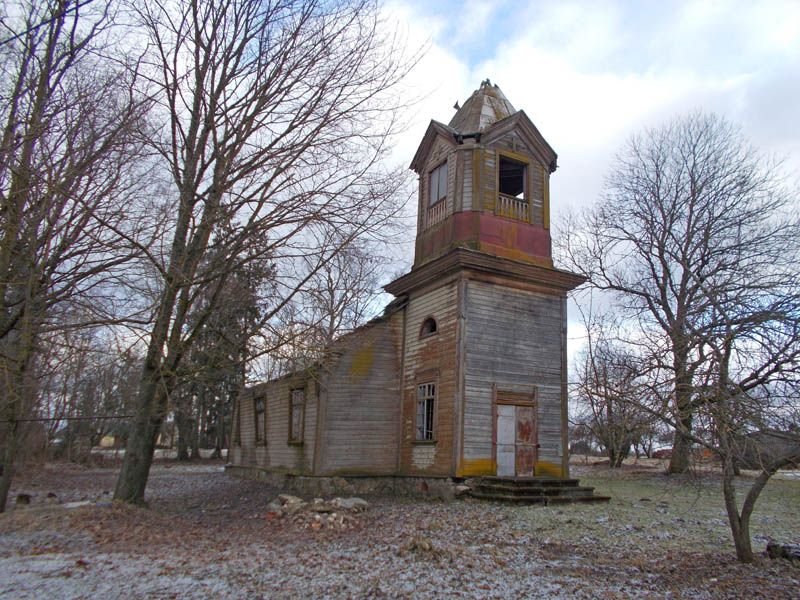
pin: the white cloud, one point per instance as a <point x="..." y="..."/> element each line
<point x="591" y="74"/>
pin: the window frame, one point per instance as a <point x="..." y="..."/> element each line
<point x="501" y="157"/>
<point x="439" y="169"/>
<point x="300" y="422"/>
<point x="428" y="430"/>
<point x="425" y="334"/>
<point x="527" y="192"/>
<point x="260" y="421"/>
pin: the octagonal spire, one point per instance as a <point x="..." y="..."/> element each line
<point x="485" y="106"/>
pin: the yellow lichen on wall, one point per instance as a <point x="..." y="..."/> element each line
<point x="548" y="468"/>
<point x="475" y="467"/>
<point x="362" y="362"/>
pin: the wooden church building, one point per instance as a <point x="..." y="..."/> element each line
<point x="465" y="373"/>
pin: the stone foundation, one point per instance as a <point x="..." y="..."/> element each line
<point x="429" y="487"/>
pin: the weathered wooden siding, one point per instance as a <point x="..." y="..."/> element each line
<point x="430" y="359"/>
<point x="441" y="151"/>
<point x="513" y="340"/>
<point x="276" y="452"/>
<point x="488" y="179"/>
<point x="360" y="402"/>
<point x="465" y="188"/>
<point x="536" y="173"/>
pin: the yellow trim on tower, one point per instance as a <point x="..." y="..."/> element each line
<point x="545" y="198"/>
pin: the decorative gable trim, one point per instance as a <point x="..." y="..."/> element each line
<point x="435" y="129"/>
<point x="524" y="127"/>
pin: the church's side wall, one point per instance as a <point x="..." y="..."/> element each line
<point x="513" y="341"/>
<point x="360" y="402"/>
<point x="430" y="359"/>
<point x="275" y="451"/>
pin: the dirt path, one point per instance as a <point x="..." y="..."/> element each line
<point x="205" y="535"/>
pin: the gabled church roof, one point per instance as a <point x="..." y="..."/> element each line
<point x="485" y="106"/>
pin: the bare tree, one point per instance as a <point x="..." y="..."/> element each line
<point x="687" y="206"/>
<point x="66" y="155"/>
<point x="339" y="297"/>
<point x="214" y="370"/>
<point x="274" y="122"/>
<point x="84" y="380"/>
<point x="699" y="241"/>
<point x="610" y="392"/>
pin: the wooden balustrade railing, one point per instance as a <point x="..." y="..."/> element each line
<point x="513" y="208"/>
<point x="436" y="213"/>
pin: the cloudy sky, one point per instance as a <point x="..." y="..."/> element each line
<point x="589" y="74"/>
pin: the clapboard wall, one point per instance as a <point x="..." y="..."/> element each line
<point x="360" y="402"/>
<point x="275" y="451"/>
<point x="430" y="359"/>
<point x="513" y="340"/>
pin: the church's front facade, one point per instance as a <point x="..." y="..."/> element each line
<point x="465" y="372"/>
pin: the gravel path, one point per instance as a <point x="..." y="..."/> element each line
<point x="205" y="535"/>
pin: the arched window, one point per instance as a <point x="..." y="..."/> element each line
<point x="428" y="327"/>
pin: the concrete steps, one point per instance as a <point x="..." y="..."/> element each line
<point x="532" y="490"/>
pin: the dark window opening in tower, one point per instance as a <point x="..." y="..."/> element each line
<point x="512" y="178"/>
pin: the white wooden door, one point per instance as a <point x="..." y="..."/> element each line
<point x="506" y="440"/>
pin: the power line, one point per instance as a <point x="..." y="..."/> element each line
<point x="92" y="418"/>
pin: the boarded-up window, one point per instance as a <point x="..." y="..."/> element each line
<point x="438" y="184"/>
<point x="260" y="425"/>
<point x="297" y="412"/>
<point x="426" y="399"/>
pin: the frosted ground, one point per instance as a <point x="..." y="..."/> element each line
<point x="206" y="535"/>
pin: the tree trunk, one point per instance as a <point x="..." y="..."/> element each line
<point x="150" y="414"/>
<point x="679" y="461"/>
<point x="199" y="424"/>
<point x="9" y="458"/>
<point x="184" y="425"/>
<point x="740" y="524"/>
<point x="219" y="437"/>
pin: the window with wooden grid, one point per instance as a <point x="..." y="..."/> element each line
<point x="297" y="411"/>
<point x="437" y="190"/>
<point x="426" y="401"/>
<point x="259" y="412"/>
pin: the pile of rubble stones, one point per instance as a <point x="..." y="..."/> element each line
<point x="337" y="514"/>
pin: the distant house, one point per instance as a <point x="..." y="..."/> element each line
<point x="465" y="372"/>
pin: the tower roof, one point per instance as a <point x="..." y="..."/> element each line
<point x="485" y="106"/>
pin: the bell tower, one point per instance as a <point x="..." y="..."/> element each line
<point x="483" y="355"/>
<point x="484" y="183"/>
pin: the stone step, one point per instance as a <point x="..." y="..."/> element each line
<point x="501" y="488"/>
<point x="546" y="500"/>
<point x="523" y="481"/>
<point x="532" y="490"/>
